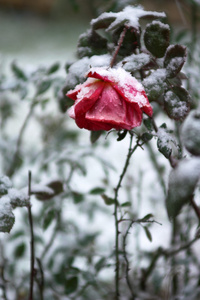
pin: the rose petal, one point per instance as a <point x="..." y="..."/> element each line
<point x="112" y="110"/>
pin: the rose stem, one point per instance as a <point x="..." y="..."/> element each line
<point x="130" y="152"/>
<point x="120" y="41"/>
<point x="32" y="269"/>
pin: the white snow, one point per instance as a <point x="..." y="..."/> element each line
<point x="129" y="16"/>
<point x="134" y="62"/>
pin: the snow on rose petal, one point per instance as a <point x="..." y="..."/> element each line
<point x="109" y="98"/>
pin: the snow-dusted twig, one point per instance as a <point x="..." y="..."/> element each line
<point x="167" y="253"/>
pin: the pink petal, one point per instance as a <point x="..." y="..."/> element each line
<point x="73" y="93"/>
<point x="112" y="110"/>
<point x="125" y="84"/>
<point x="88" y="95"/>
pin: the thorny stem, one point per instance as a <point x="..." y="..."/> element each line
<point x="11" y="169"/>
<point x="32" y="252"/>
<point x="116" y="205"/>
<point x="121" y="39"/>
<point x="127" y="262"/>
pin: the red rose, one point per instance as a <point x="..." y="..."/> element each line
<point x="109" y="98"/>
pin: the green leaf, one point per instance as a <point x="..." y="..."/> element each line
<point x="71" y="285"/>
<point x="130" y="42"/>
<point x="100" y="264"/>
<point x="177" y="103"/>
<point x="164" y="147"/>
<point x="126" y="204"/>
<point x="91" y="43"/>
<point x="5" y="185"/>
<point x="77" y="197"/>
<point x="95" y="135"/>
<point x="19" y="73"/>
<point x="121" y="135"/>
<point x="156" y="38"/>
<point x="148" y="233"/>
<point x="108" y="200"/>
<point x="7" y="220"/>
<point x="190" y="132"/>
<point x="53" y="68"/>
<point x="155" y="84"/>
<point x="49" y="218"/>
<point x="136" y="62"/>
<point x="20" y="250"/>
<point x="174" y="60"/>
<point x="43" y="86"/>
<point x="97" y="191"/>
<point x="147" y="217"/>
<point x="148" y="124"/>
<point x="146" y="137"/>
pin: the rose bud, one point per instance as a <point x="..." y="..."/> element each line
<point x="109" y="98"/>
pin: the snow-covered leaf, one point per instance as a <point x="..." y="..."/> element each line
<point x="182" y="183"/>
<point x="174" y="60"/>
<point x="5" y="185"/>
<point x="156" y="38"/>
<point x="135" y="62"/>
<point x="129" y="16"/>
<point x="190" y="132"/>
<point x="177" y="103"/>
<point x="7" y="218"/>
<point x="155" y="84"/>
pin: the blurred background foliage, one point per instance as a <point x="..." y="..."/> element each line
<point x="74" y="260"/>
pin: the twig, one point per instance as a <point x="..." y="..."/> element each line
<point x="32" y="252"/>
<point x="41" y="281"/>
<point x="127" y="263"/>
<point x="121" y="39"/>
<point x="166" y="253"/>
<point x="11" y="169"/>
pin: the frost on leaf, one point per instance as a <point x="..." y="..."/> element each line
<point x="174" y="60"/>
<point x="7" y="217"/>
<point x="135" y="62"/>
<point x="129" y="17"/>
<point x="182" y="182"/>
<point x="76" y="72"/>
<point x="177" y="103"/>
<point x="154" y="84"/>
<point x="190" y="133"/>
<point x="5" y="185"/>
<point x="18" y="198"/>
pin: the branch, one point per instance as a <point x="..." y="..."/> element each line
<point x="130" y="152"/>
<point x="127" y="263"/>
<point x="166" y="253"/>
<point x="32" y="252"/>
<point x="121" y="39"/>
